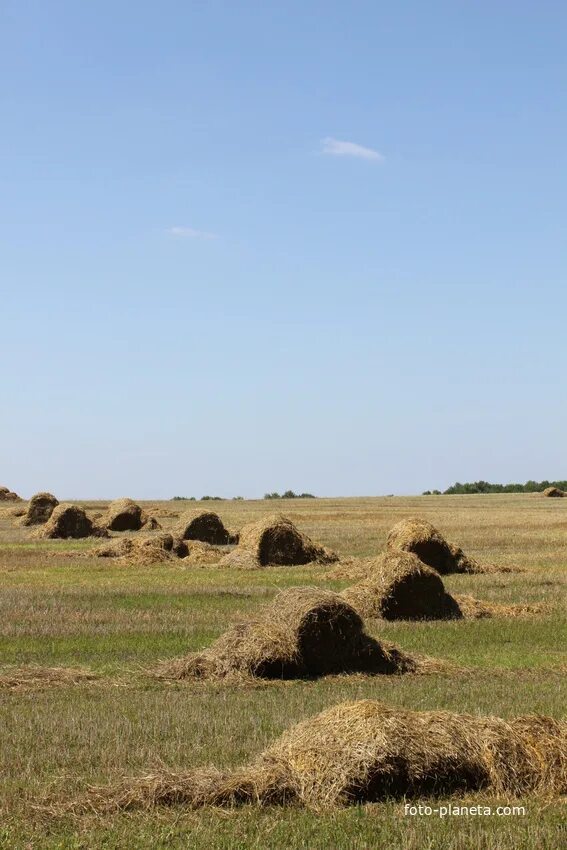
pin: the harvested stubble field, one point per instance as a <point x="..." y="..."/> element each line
<point x="61" y="607"/>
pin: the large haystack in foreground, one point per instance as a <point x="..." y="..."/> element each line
<point x="205" y="526"/>
<point x="126" y="515"/>
<point x="305" y="631"/>
<point x="70" y="521"/>
<point x="7" y="495"/>
<point x="366" y="751"/>
<point x="424" y="540"/>
<point x="553" y="492"/>
<point x="401" y="587"/>
<point x="275" y="541"/>
<point x="40" y="508"/>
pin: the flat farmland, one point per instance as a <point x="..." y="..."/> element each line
<point x="62" y="607"/>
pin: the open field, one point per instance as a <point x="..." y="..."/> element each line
<point x="61" y="607"/>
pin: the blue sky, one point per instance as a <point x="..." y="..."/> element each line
<point x="248" y="246"/>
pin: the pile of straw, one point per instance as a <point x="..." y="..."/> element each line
<point x="304" y="632"/>
<point x="205" y="526"/>
<point x="70" y="521"/>
<point x="367" y="751"/>
<point x="40" y="508"/>
<point x="398" y="586"/>
<point x="425" y="541"/>
<point x="126" y="515"/>
<point x="275" y="541"/>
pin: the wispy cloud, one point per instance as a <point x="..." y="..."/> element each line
<point x="335" y="147"/>
<point x="183" y="232"/>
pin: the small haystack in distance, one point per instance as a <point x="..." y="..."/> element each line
<point x="40" y="508"/>
<point x="401" y="587"/>
<point x="305" y="631"/>
<point x="145" y="550"/>
<point x="363" y="752"/>
<point x="70" y="521"/>
<point x="275" y="541"/>
<point x="205" y="526"/>
<point x="425" y="541"/>
<point x="7" y="495"/>
<point x="553" y="492"/>
<point x="160" y="548"/>
<point x="202" y="554"/>
<point x="126" y="515"/>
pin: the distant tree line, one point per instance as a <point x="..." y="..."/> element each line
<point x="205" y="499"/>
<point x="289" y="494"/>
<point x="486" y="487"/>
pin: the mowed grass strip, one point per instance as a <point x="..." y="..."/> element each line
<point x="110" y="629"/>
<point x="360" y="828"/>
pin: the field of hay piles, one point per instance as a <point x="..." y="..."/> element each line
<point x="131" y="674"/>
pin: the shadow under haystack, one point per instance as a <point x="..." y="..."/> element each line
<point x="40" y="508"/>
<point x="367" y="751"/>
<point x="275" y="541"/>
<point x="126" y="515"/>
<point x="70" y="521"/>
<point x="304" y="632"/>
<point x="205" y="526"/>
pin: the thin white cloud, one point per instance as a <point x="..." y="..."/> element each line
<point x="334" y="147"/>
<point x="191" y="233"/>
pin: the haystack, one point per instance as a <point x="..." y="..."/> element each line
<point x="401" y="587"/>
<point x="366" y="751"/>
<point x="126" y="515"/>
<point x="7" y="495"/>
<point x="145" y="550"/>
<point x="425" y="541"/>
<point x="70" y="521"/>
<point x="40" y="508"/>
<point x="305" y="631"/>
<point x="553" y="492"/>
<point x="205" y="526"/>
<point x="202" y="554"/>
<point x="275" y="541"/>
<point x="398" y="586"/>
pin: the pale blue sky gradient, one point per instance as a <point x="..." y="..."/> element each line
<point x="207" y="287"/>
